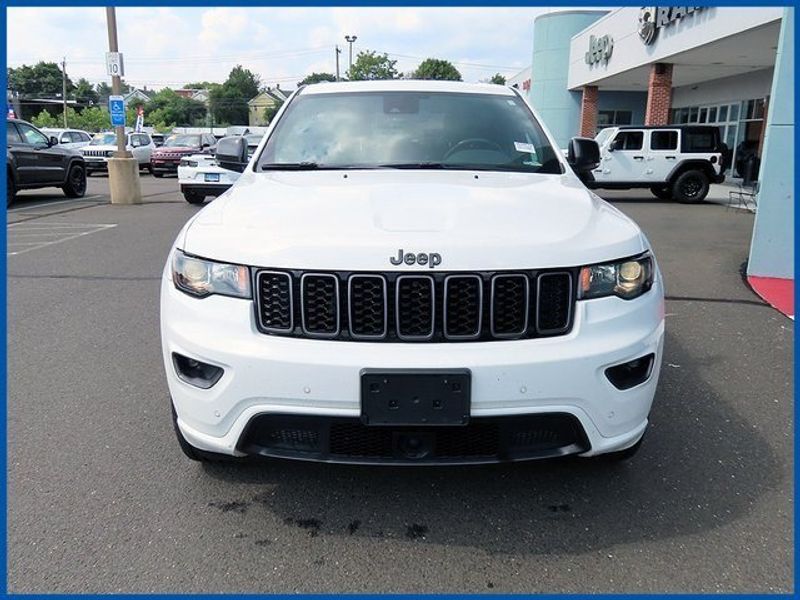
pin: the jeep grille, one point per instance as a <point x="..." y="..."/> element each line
<point x="415" y="307"/>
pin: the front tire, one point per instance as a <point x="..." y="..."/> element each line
<point x="690" y="187"/>
<point x="661" y="192"/>
<point x="194" y="197"/>
<point x="156" y="174"/>
<point x="76" y="182"/>
<point x="11" y="189"/>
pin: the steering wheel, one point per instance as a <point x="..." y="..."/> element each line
<point x="473" y="144"/>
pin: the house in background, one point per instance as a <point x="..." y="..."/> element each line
<point x="257" y="106"/>
<point x="136" y="97"/>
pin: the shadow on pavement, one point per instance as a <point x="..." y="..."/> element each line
<point x="700" y="467"/>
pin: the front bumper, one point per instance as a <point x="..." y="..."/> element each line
<point x="164" y="165"/>
<point x="96" y="163"/>
<point x="207" y="189"/>
<point x="268" y="375"/>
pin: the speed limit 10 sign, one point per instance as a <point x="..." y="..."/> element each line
<point x="114" y="66"/>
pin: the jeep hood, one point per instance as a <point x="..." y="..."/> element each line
<point x="356" y="220"/>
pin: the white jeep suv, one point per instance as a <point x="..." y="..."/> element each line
<point x="409" y="272"/>
<point x="675" y="162"/>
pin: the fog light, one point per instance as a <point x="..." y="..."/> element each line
<point x="195" y="372"/>
<point x="632" y="373"/>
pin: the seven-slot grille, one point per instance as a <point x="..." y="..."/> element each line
<point x="415" y="307"/>
<point x="96" y="152"/>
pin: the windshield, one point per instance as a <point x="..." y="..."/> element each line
<point x="409" y="130"/>
<point x="103" y="139"/>
<point x="604" y="134"/>
<point x="182" y="139"/>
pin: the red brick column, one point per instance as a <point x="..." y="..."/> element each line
<point x="659" y="95"/>
<point x="589" y="111"/>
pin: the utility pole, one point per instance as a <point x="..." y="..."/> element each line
<point x="64" y="88"/>
<point x="123" y="169"/>
<point x="116" y="83"/>
<point x="350" y="39"/>
<point x="338" y="52"/>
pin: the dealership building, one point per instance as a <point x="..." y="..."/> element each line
<point x="730" y="67"/>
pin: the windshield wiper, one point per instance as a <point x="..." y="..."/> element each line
<point x="414" y="165"/>
<point x="298" y="166"/>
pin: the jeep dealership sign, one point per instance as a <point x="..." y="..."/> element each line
<point x="653" y="18"/>
<point x="600" y="49"/>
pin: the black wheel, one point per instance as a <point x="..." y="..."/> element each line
<point x="11" y="189"/>
<point x="194" y="197"/>
<point x="149" y="169"/>
<point x="662" y="192"/>
<point x="156" y="174"/>
<point x="76" y="182"/>
<point x="622" y="455"/>
<point x="190" y="451"/>
<point x="690" y="187"/>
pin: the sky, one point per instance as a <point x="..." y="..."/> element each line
<point x="172" y="46"/>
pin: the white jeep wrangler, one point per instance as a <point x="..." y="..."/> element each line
<point x="409" y="272"/>
<point x="674" y="162"/>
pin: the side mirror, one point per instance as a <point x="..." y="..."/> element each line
<point x="53" y="141"/>
<point x="232" y="153"/>
<point x="583" y="155"/>
<point x="615" y="145"/>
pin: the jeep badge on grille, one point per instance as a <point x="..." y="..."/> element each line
<point x="432" y="260"/>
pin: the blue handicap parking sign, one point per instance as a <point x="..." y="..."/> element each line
<point x="116" y="108"/>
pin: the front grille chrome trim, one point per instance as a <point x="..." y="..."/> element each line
<point x="361" y="336"/>
<point x="317" y="334"/>
<point x="414" y="338"/>
<point x="570" y="303"/>
<point x="259" y="303"/>
<point x="472" y="336"/>
<point x="513" y="334"/>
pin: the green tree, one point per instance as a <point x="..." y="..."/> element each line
<point x="45" y="119"/>
<point x="104" y="91"/>
<point x="435" y="68"/>
<point x="498" y="79"/>
<point x="84" y="93"/>
<point x="370" y="65"/>
<point x="228" y="102"/>
<point x="317" y="78"/>
<point x="42" y="80"/>
<point x="271" y="111"/>
<point x="166" y="106"/>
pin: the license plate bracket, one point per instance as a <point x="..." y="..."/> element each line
<point x="212" y="177"/>
<point x="415" y="397"/>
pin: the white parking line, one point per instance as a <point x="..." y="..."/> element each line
<point x="35" y="206"/>
<point x="63" y="231"/>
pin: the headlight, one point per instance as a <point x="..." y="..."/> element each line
<point x="185" y="162"/>
<point x="201" y="278"/>
<point x="627" y="279"/>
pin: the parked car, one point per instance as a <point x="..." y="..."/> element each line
<point x="677" y="161"/>
<point x="158" y="138"/>
<point x="104" y="145"/>
<point x="69" y="138"/>
<point x="200" y="176"/>
<point x="34" y="160"/>
<point x="409" y="272"/>
<point x="165" y="159"/>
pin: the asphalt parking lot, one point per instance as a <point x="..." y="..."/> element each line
<point x="100" y="499"/>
